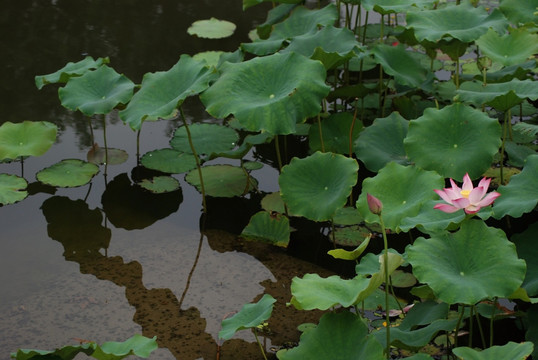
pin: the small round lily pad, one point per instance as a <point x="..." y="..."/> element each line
<point x="68" y="173"/>
<point x="212" y="28"/>
<point x="11" y="189"/>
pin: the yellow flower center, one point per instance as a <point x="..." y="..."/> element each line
<point x="465" y="193"/>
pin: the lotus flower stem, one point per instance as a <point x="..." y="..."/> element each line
<point x="386" y="263"/>
<point x="259" y="344"/>
<point x="278" y="157"/>
<point x="470" y="340"/>
<point x="202" y="188"/>
<point x="321" y="134"/>
<point x="138" y="146"/>
<point x="480" y="329"/>
<point x="457" y="330"/>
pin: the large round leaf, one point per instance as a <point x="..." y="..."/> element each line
<point x="164" y="91"/>
<point x="168" y="161"/>
<point x="12" y="189"/>
<point x="206" y="139"/>
<point x="519" y="12"/>
<point x="405" y="66"/>
<point x="71" y="69"/>
<point x="453" y="141"/>
<point x="475" y="263"/>
<point x="321" y="46"/>
<point x="463" y="22"/>
<point x="96" y="92"/>
<point x="383" y="142"/>
<point x="511" y="350"/>
<point x="270" y="93"/>
<point x="212" y="28"/>
<point x="68" y="173"/>
<point x="342" y="336"/>
<point x="250" y="315"/>
<point x="527" y="250"/>
<point x="26" y="139"/>
<point x="222" y="180"/>
<point x="509" y="49"/>
<point x="521" y="194"/>
<point x="316" y="186"/>
<point x="402" y="189"/>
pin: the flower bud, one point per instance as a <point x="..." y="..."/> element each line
<point x="374" y="204"/>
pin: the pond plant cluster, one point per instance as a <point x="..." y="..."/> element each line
<point x="436" y="104"/>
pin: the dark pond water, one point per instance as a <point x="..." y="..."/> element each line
<point x="67" y="270"/>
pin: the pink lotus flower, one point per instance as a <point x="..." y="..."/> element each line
<point x="470" y="199"/>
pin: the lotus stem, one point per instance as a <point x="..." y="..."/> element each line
<point x="386" y="269"/>
<point x="458" y="324"/>
<point x="470" y="340"/>
<point x="198" y="166"/>
<point x="259" y="344"/>
<point x="505" y="130"/>
<point x="92" y="139"/>
<point x="321" y="134"/>
<point x="105" y="143"/>
<point x="138" y="146"/>
<point x="351" y="128"/>
<point x="457" y="73"/>
<point x="480" y="329"/>
<point x="491" y="322"/>
<point x="278" y="157"/>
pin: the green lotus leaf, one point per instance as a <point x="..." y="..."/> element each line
<point x="511" y="350"/>
<point x="316" y="186"/>
<point x="502" y="96"/>
<point x="383" y="142"/>
<point x="270" y="93"/>
<point x="431" y="220"/>
<point x="424" y="313"/>
<point x="509" y="49"/>
<point x="415" y="339"/>
<point x="378" y="278"/>
<point x="138" y="345"/>
<point x="335" y="130"/>
<point x="342" y="336"/>
<point x="29" y="138"/>
<point x="12" y="189"/>
<point x="211" y="58"/>
<point x="405" y="66"/>
<point x="212" y="28"/>
<point x="314" y="292"/>
<point x="222" y="180"/>
<point x="517" y="154"/>
<point x="521" y="194"/>
<point x="321" y="46"/>
<point x="163" y="92"/>
<point x="475" y="263"/>
<point x="249" y="3"/>
<point x="169" y="161"/>
<point x="68" y="173"/>
<point x="129" y="207"/>
<point x="519" y="12"/>
<point x="402" y="189"/>
<point x="96" y="92"/>
<point x="349" y="235"/>
<point x="353" y="254"/>
<point x="527" y="250"/>
<point x="160" y="184"/>
<point x="265" y="227"/>
<point x="206" y="139"/>
<point x="250" y="315"/>
<point x="273" y="202"/>
<point x="385" y="7"/>
<point x="348" y="215"/>
<point x="98" y="155"/>
<point x="463" y="22"/>
<point x="455" y="140"/>
<point x="402" y="279"/>
<point x="300" y="22"/>
<point x="70" y="70"/>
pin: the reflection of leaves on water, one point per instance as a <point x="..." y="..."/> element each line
<point x="130" y="207"/>
<point x="75" y="226"/>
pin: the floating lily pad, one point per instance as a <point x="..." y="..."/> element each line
<point x="342" y="336"/>
<point x="96" y="92"/>
<point x="250" y="315"/>
<point x="206" y="139"/>
<point x="69" y="70"/>
<point x="271" y="228"/>
<point x="273" y="202"/>
<point x="383" y="142"/>
<point x="276" y="92"/>
<point x="212" y="28"/>
<point x="402" y="198"/>
<point x="12" y="189"/>
<point x="222" y="180"/>
<point x="29" y="138"/>
<point x="161" y="93"/>
<point x="169" y="161"/>
<point x="68" y="173"/>
<point x="98" y="155"/>
<point x="463" y="22"/>
<point x="511" y="350"/>
<point x="521" y="194"/>
<point x="349" y="235"/>
<point x="453" y="141"/>
<point x="160" y="184"/>
<point x="316" y="186"/>
<point x="475" y="263"/>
